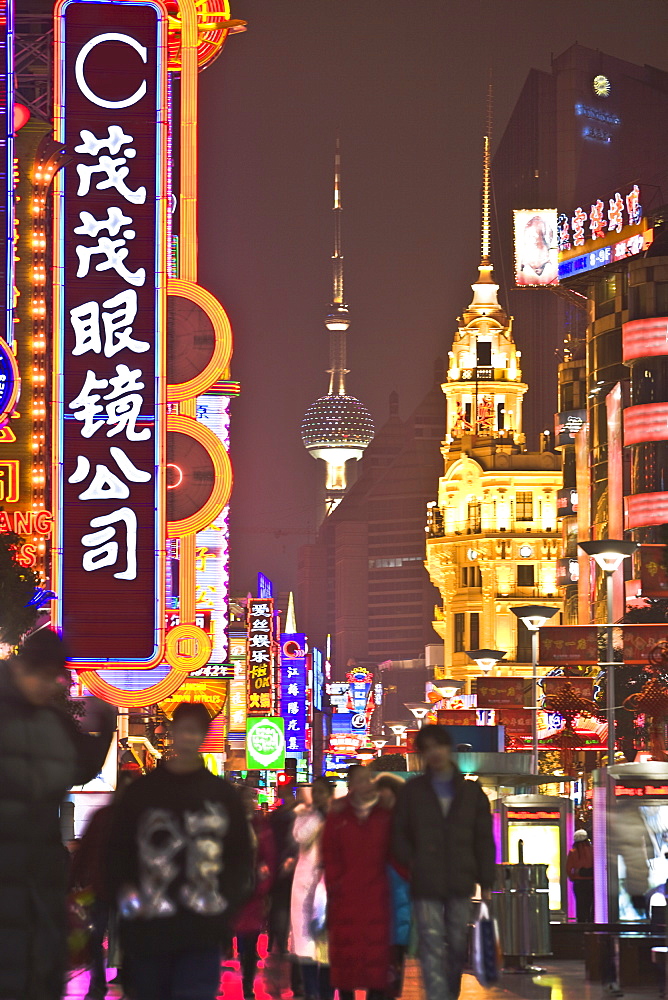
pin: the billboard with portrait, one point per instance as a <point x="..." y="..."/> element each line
<point x="535" y="238"/>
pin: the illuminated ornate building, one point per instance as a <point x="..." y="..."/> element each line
<point x="492" y="539"/>
<point x="337" y="427"/>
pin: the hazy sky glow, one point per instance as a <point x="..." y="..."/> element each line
<point x="404" y="84"/>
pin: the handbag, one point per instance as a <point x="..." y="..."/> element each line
<point x="485" y="948"/>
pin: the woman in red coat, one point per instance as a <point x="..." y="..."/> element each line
<point x="356" y="851"/>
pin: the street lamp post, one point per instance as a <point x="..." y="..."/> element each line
<point x="379" y="744"/>
<point x="609" y="554"/>
<point x="398" y="729"/>
<point x="534" y="617"/>
<point x="485" y="658"/>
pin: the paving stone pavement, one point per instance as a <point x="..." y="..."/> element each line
<point x="561" y="981"/>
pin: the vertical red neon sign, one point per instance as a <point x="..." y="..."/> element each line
<point x="109" y="364"/>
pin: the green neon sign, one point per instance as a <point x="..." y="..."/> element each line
<point x="265" y="744"/>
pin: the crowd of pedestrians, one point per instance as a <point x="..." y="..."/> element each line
<point x="183" y="867"/>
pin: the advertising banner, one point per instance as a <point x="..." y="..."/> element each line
<point x="654" y="570"/>
<point x="517" y="721"/>
<point x="501" y="692"/>
<point x="563" y="645"/>
<point x="583" y="686"/>
<point x="457" y="717"/>
<point x="639" y="640"/>
<point x="109" y="321"/>
<point x="535" y="247"/>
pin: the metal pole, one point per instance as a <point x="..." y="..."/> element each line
<point x="610" y="672"/>
<point x="534" y="698"/>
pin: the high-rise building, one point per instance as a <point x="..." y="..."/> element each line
<point x="337" y="427"/>
<point x="363" y="579"/>
<point x="586" y="126"/>
<point x="492" y="541"/>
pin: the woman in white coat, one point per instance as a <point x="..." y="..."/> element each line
<point x="308" y="904"/>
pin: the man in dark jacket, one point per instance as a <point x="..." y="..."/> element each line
<point x="181" y="862"/>
<point x="443" y="836"/>
<point x="42" y="755"/>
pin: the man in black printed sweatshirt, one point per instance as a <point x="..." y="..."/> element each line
<point x="180" y="864"/>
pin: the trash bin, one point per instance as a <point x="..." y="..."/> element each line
<point x="521" y="905"/>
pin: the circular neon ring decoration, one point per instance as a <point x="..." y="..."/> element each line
<point x="222" y="350"/>
<point x="210" y="37"/>
<point x="222" y="484"/>
<point x="133" y="699"/>
<point x="193" y="661"/>
<point x="8" y="357"/>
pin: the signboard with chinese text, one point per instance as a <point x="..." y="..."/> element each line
<point x="260" y="656"/>
<point x="562" y="645"/>
<point x="517" y="721"/>
<point x="265" y="744"/>
<point x="638" y="641"/>
<point x="583" y="686"/>
<point x="499" y="692"/>
<point x="535" y="232"/>
<point x="293" y="690"/>
<point x="456" y="717"/>
<point x="109" y="308"/>
<point x="653" y="570"/>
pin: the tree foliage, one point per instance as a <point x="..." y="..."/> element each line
<point x="17" y="587"/>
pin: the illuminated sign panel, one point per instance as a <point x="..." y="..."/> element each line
<point x="567" y="424"/>
<point x="293" y="690"/>
<point x="645" y="509"/>
<point x="260" y="656"/>
<point x="110" y="273"/>
<point x="6" y="168"/>
<point x="535" y="247"/>
<point x="645" y="338"/>
<point x="648" y="422"/>
<point x="606" y="255"/>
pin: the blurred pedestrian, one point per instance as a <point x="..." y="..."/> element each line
<point x="308" y="908"/>
<point x="42" y="755"/>
<point x="356" y="853"/>
<point x="389" y="788"/>
<point x="251" y="919"/>
<point x="443" y="837"/>
<point x="580" y="870"/>
<point x="182" y="866"/>
<point x="281" y="821"/>
<point x="90" y="870"/>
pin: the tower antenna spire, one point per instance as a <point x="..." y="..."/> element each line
<point x="337" y="256"/>
<point x="486" y="177"/>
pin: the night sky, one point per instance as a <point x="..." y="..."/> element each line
<point x="404" y="84"/>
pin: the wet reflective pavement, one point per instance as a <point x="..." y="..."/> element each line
<point x="562" y="980"/>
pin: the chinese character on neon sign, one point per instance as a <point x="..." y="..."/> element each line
<point x="109" y="290"/>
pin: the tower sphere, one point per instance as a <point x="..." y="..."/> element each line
<point x="337" y="422"/>
<point x="338" y="318"/>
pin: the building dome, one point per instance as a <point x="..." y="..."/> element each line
<point x="337" y="422"/>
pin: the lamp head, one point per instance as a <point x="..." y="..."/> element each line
<point x="418" y="709"/>
<point x="485" y="658"/>
<point x="609" y="553"/>
<point x="534" y="616"/>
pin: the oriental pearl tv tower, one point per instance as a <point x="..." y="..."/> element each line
<point x="337" y="427"/>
